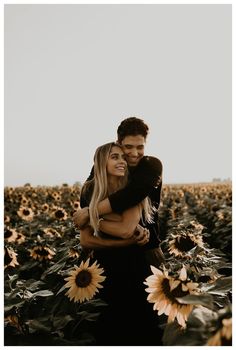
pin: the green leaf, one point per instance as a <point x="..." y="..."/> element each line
<point x="33" y="285"/>
<point x="221" y="286"/>
<point x="61" y="289"/>
<point x="12" y="306"/>
<point x="202" y="299"/>
<point x="42" y="325"/>
<point x="43" y="293"/>
<point x="54" y="268"/>
<point x="60" y="322"/>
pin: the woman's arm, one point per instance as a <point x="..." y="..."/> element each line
<point x="125" y="227"/>
<point x="89" y="241"/>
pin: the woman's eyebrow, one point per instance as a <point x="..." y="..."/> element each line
<point x="116" y="154"/>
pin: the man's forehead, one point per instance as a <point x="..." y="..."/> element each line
<point x="137" y="140"/>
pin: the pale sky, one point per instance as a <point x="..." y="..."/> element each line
<point x="74" y="72"/>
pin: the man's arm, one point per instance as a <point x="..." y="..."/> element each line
<point x="148" y="174"/>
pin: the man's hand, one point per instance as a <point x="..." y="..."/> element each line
<point x="81" y="218"/>
<point x="141" y="235"/>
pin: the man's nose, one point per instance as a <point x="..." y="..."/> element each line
<point x="134" y="152"/>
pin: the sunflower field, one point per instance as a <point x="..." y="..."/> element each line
<point x="191" y="291"/>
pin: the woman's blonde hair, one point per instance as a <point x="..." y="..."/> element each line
<point x="101" y="188"/>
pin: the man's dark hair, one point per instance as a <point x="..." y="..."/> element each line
<point x="132" y="127"/>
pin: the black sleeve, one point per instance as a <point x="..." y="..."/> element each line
<point x="146" y="175"/>
<point x="91" y="175"/>
<point x="85" y="196"/>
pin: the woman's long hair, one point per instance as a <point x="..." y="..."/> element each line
<point x="101" y="188"/>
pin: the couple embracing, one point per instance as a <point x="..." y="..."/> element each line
<point x="119" y="222"/>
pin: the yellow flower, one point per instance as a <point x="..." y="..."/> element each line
<point x="182" y="242"/>
<point x="24" y="201"/>
<point x="25" y="213"/>
<point x="74" y="253"/>
<point x="10" y="235"/>
<point x="51" y="232"/>
<point x="14" y="321"/>
<point x="164" y="290"/>
<point x="6" y="219"/>
<point x="45" y="207"/>
<point x="223" y="336"/>
<point x="60" y="214"/>
<point x="20" y="238"/>
<point x="41" y="253"/>
<point x="10" y="258"/>
<point x="56" y="196"/>
<point x="84" y="281"/>
<point x="76" y="205"/>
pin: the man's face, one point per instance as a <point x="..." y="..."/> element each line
<point x="133" y="147"/>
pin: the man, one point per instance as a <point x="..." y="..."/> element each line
<point x="145" y="179"/>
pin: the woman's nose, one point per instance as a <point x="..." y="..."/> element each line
<point x="122" y="160"/>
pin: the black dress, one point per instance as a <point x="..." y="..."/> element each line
<point x="128" y="319"/>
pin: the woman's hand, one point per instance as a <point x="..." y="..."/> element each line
<point x="141" y="235"/>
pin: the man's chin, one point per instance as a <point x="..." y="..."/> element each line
<point x="133" y="163"/>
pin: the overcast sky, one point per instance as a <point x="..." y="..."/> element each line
<point x="74" y="72"/>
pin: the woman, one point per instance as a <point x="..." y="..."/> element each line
<point x="127" y="319"/>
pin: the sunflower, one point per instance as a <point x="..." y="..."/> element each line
<point x="164" y="290"/>
<point x="26" y="213"/>
<point x="84" y="281"/>
<point x="223" y="336"/>
<point x="24" y="201"/>
<point x="56" y="196"/>
<point x="20" y="238"/>
<point x="14" y="321"/>
<point x="10" y="234"/>
<point x="76" y="205"/>
<point x="74" y="253"/>
<point x="60" y="214"/>
<point x="6" y="219"/>
<point x="182" y="242"/>
<point x="10" y="258"/>
<point x="42" y="253"/>
<point x="51" y="232"/>
<point x="45" y="207"/>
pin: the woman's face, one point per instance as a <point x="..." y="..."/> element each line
<point x="116" y="164"/>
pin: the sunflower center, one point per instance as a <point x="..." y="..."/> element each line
<point x="83" y="279"/>
<point x="7" y="258"/>
<point x="42" y="252"/>
<point x="185" y="244"/>
<point x="59" y="214"/>
<point x="175" y="293"/>
<point x="7" y="234"/>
